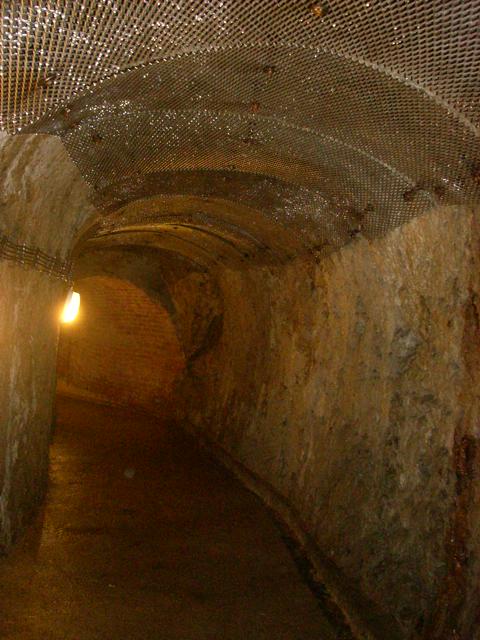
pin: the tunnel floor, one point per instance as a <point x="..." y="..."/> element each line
<point x="143" y="536"/>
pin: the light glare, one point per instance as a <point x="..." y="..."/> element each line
<point x="72" y="305"/>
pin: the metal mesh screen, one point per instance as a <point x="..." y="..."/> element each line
<point x="34" y="258"/>
<point x="328" y="119"/>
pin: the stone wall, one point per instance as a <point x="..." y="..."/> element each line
<point x="350" y="388"/>
<point x="43" y="201"/>
<point x="27" y="385"/>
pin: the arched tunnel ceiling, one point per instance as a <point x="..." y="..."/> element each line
<point x="259" y="128"/>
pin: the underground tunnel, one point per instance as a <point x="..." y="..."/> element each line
<point x="263" y="421"/>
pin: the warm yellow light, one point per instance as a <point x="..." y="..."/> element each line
<point x="72" y="305"/>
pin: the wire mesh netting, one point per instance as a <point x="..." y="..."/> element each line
<point x="328" y="119"/>
<point x="34" y="258"/>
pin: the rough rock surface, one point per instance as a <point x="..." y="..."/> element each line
<point x="27" y="386"/>
<point x="43" y="201"/>
<point x="343" y="386"/>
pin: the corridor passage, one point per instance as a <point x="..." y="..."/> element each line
<point x="144" y="537"/>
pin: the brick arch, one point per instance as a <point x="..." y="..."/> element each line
<point x="122" y="349"/>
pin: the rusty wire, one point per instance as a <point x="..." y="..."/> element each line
<point x="34" y="258"/>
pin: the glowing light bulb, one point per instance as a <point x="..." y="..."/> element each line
<point x="71" y="307"/>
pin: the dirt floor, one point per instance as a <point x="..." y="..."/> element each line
<point x="144" y="537"/>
